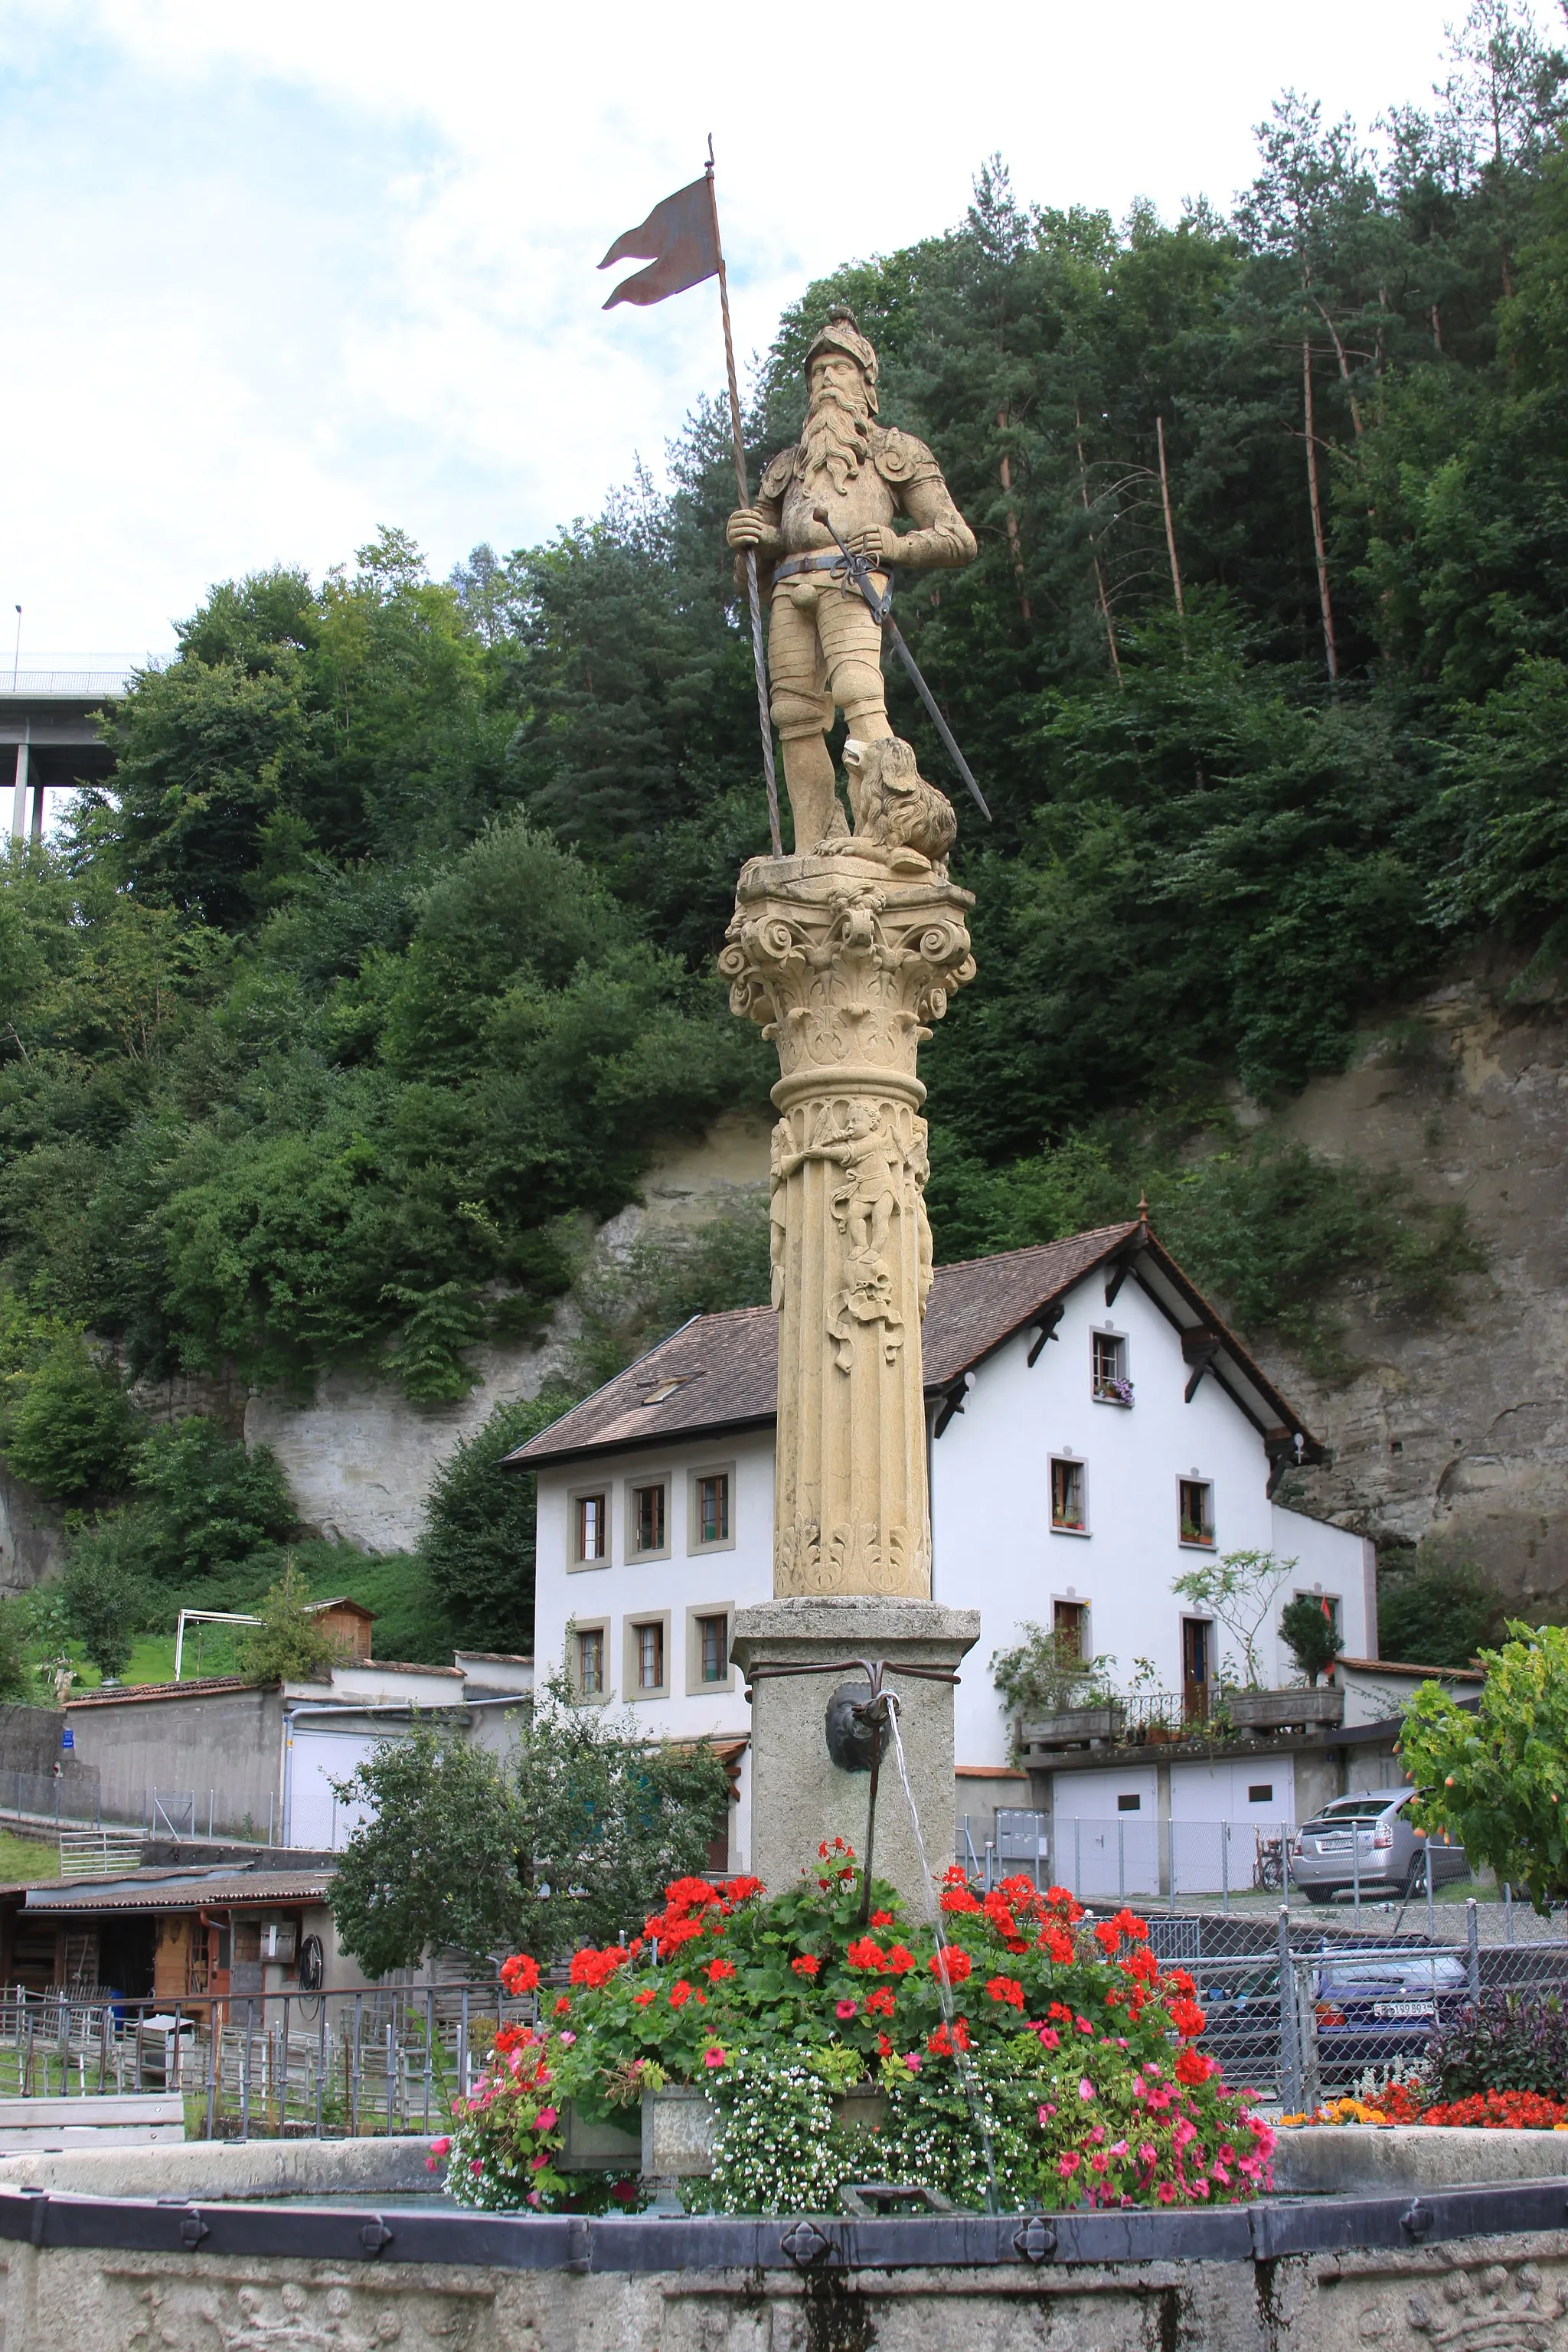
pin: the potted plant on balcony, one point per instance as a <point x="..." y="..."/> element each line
<point x="1055" y="1696"/>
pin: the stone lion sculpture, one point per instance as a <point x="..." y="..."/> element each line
<point x="895" y="811"/>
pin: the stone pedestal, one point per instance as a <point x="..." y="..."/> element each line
<point x="844" y="961"/>
<point x="799" y="1796"/>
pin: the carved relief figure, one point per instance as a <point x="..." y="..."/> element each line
<point x="824" y="645"/>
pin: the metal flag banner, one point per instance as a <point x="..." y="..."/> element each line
<point x="679" y="239"/>
<point x="680" y="242"/>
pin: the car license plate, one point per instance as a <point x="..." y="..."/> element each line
<point x="1403" y="2009"/>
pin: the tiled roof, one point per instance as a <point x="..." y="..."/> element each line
<point x="1397" y="1666"/>
<point x="131" y="1694"/>
<point x="720" y="1371"/>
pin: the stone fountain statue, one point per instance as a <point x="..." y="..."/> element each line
<point x="845" y="953"/>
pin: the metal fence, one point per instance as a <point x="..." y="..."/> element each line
<point x="264" y="2066"/>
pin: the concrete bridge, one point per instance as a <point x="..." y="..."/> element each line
<point x="49" y="715"/>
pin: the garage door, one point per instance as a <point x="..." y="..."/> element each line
<point x="1223" y="1816"/>
<point x="1105" y="1841"/>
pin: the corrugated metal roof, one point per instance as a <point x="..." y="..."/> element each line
<point x="720" y="1371"/>
<point x="181" y="1890"/>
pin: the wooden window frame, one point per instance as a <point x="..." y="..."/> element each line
<point x="695" y="1685"/>
<point x="1071" y="1600"/>
<point x="694" y="1543"/>
<point x="637" y="1485"/>
<point x="632" y="1682"/>
<point x="1205" y="1541"/>
<point x="605" y="1489"/>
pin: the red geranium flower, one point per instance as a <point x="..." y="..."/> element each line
<point x="641" y="1999"/>
<point x="679" y="1994"/>
<point x="951" y="1965"/>
<point x="1006" y="1989"/>
<point x="805" y="1964"/>
<point x="563" y="2007"/>
<point x="881" y="2001"/>
<point x="1193" y="2067"/>
<point x="740" y="1890"/>
<point x="520" y="1974"/>
<point x="881" y="1918"/>
<point x="901" y="1960"/>
<point x="865" y="1952"/>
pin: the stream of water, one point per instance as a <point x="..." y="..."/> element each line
<point x="944" y="1991"/>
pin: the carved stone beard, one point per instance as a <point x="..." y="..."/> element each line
<point x="835" y="440"/>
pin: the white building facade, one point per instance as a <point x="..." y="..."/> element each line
<point x="1095" y="1432"/>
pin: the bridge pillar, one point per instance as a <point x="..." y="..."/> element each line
<point x="19" y="797"/>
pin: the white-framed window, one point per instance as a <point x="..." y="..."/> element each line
<point x="1108" y="1367"/>
<point x="588" y="1527"/>
<point x="588" y="1658"/>
<point x="647" y="1518"/>
<point x="1069" y="1508"/>
<point x="710" y="1508"/>
<point x="647" y="1672"/>
<point x="1194" y="1513"/>
<point x="708" y="1667"/>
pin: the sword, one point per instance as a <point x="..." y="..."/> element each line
<point x="859" y="569"/>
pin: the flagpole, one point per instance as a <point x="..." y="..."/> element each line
<point x="758" y="663"/>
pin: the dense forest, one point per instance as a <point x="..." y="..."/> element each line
<point x="333" y="1020"/>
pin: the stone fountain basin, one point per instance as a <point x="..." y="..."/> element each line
<point x="205" y="2247"/>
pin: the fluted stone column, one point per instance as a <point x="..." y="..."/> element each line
<point x="846" y="968"/>
<point x="845" y="963"/>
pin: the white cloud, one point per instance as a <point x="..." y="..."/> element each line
<point x="280" y="272"/>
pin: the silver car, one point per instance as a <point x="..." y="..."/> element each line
<point x="1370" y="1839"/>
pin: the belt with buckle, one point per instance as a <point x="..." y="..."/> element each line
<point x="794" y="565"/>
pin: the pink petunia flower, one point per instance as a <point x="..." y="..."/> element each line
<point x="1085" y="2088"/>
<point x="844" y="2008"/>
<point x="713" y="2056"/>
<point x="545" y="2120"/>
<point x="1166" y="2192"/>
<point x="538" y="2163"/>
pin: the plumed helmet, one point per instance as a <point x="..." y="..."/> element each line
<point x="842" y="334"/>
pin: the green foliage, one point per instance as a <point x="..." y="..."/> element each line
<point x="1240" y="1587"/>
<point x="288" y="1644"/>
<point x="105" y="1593"/>
<point x="66" y="1426"/>
<point x="206" y="1501"/>
<point x="1276" y="1233"/>
<point x="568" y="1840"/>
<point x="1435" y="1610"/>
<point x="437" y="1868"/>
<point x="1310" y="1635"/>
<point x="1046" y="1671"/>
<point x="16" y="1676"/>
<point x="477" y="1542"/>
<point x="1492" y="1774"/>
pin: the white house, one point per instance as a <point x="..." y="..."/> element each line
<point x="1095" y="1430"/>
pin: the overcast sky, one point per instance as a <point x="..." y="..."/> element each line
<point x="275" y="274"/>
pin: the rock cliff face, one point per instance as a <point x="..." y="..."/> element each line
<point x="1459" y="1431"/>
